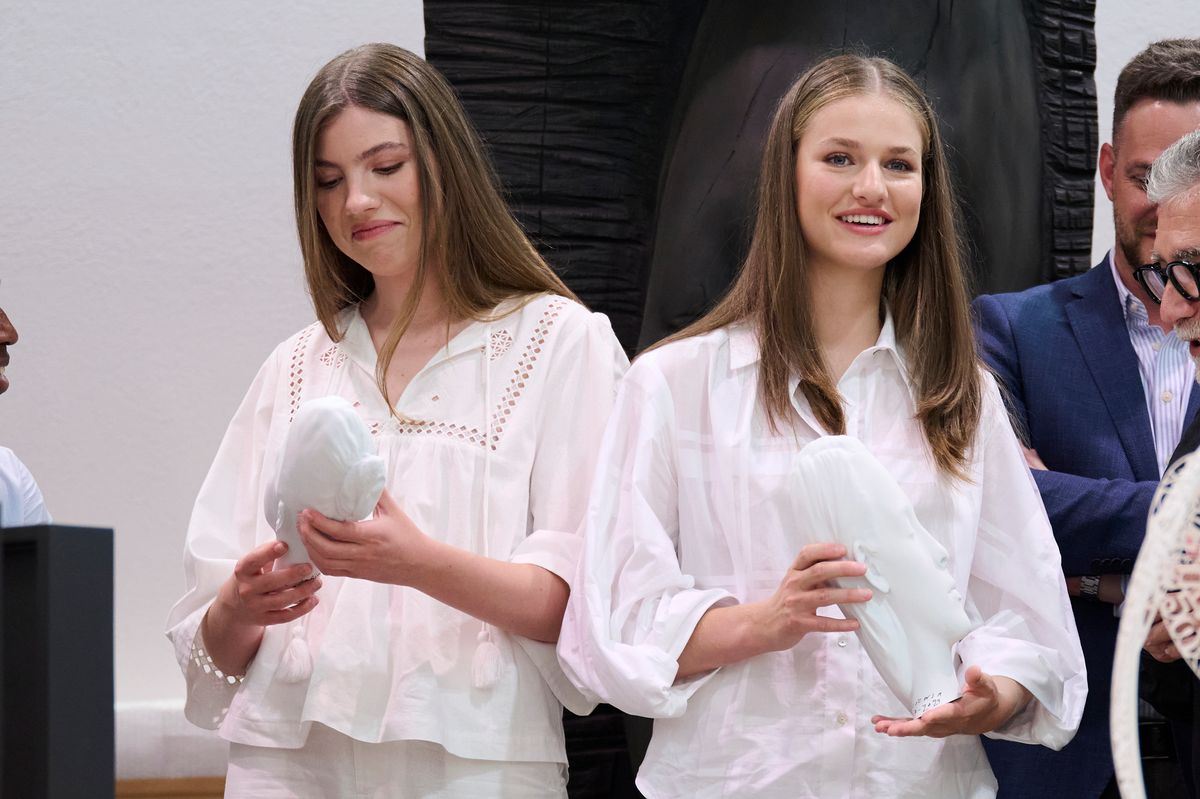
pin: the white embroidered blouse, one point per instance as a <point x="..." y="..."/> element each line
<point x="688" y="512"/>
<point x="495" y="455"/>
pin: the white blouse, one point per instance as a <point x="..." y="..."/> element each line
<point x="688" y="512"/>
<point x="494" y="454"/>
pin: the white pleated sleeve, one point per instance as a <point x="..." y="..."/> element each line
<point x="227" y="522"/>
<point x="1027" y="630"/>
<point x="632" y="610"/>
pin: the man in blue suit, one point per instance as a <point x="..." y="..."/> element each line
<point x="1101" y="390"/>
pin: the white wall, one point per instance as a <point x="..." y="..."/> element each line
<point x="148" y="256"/>
<point x="1123" y="29"/>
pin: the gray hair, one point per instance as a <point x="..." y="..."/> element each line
<point x="1176" y="171"/>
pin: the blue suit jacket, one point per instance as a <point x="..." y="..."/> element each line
<point x="1062" y="353"/>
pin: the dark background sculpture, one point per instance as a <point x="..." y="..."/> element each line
<point x="628" y="136"/>
<point x="628" y="133"/>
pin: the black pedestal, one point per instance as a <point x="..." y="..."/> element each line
<point x="56" y="662"/>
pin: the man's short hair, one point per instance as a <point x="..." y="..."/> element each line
<point x="1176" y="171"/>
<point x="1167" y="70"/>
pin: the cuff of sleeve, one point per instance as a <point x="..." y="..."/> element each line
<point x="555" y="551"/>
<point x="545" y="659"/>
<point x="639" y="678"/>
<point x="209" y="690"/>
<point x="1048" y="719"/>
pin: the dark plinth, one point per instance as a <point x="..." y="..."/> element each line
<point x="56" y="662"/>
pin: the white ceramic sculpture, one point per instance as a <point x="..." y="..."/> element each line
<point x="1166" y="583"/>
<point x="915" y="616"/>
<point x="328" y="464"/>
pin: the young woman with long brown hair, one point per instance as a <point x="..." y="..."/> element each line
<point x="698" y="602"/>
<point x="430" y="669"/>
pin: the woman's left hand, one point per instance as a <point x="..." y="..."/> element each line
<point x="987" y="703"/>
<point x="387" y="548"/>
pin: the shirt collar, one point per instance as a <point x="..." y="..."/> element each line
<point x="1131" y="306"/>
<point x="357" y="344"/>
<point x="744" y="350"/>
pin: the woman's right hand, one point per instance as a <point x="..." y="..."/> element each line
<point x="733" y="633"/>
<point x="256" y="595"/>
<point x="791" y="612"/>
<point x="253" y="597"/>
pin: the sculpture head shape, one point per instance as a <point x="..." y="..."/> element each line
<point x="909" y="627"/>
<point x="328" y="464"/>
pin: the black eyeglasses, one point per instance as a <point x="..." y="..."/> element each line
<point x="1184" y="276"/>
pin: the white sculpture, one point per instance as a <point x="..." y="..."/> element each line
<point x="1166" y="582"/>
<point x="328" y="464"/>
<point x="915" y="616"/>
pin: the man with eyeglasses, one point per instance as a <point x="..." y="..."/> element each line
<point x="1172" y="279"/>
<point x="1101" y="390"/>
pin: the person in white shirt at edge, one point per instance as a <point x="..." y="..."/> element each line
<point x="695" y="604"/>
<point x="486" y="385"/>
<point x="21" y="502"/>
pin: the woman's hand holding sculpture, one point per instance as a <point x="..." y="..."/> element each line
<point x="987" y="703"/>
<point x="387" y="548"/>
<point x="254" y="597"/>
<point x="738" y="632"/>
<point x="791" y="612"/>
<point x="520" y="598"/>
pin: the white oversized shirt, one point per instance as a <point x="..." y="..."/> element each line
<point x="494" y="454"/>
<point x="688" y="512"/>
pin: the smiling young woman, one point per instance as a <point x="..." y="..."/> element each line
<point x="485" y="386"/>
<point x="849" y="316"/>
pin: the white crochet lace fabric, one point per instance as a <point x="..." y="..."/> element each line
<point x="1166" y="582"/>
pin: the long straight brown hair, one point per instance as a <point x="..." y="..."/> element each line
<point x="468" y="229"/>
<point x="924" y="285"/>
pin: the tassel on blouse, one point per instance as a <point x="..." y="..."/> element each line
<point x="485" y="666"/>
<point x="296" y="664"/>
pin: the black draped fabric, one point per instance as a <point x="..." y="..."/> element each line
<point x="575" y="102"/>
<point x="628" y="133"/>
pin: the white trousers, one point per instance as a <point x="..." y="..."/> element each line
<point x="334" y="766"/>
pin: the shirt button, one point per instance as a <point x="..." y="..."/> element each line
<point x="1156" y="346"/>
<point x="840" y="719"/>
<point x="842" y="641"/>
<point x="1167" y="396"/>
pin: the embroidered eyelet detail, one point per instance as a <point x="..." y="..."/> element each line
<point x="501" y="343"/>
<point x="508" y="401"/>
<point x="205" y="663"/>
<point x="524" y="368"/>
<point x="333" y="357"/>
<point x="296" y="372"/>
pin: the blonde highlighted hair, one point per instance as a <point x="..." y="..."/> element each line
<point x="924" y="285"/>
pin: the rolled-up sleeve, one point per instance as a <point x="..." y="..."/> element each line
<point x="226" y="523"/>
<point x="633" y="610"/>
<point x="1027" y="630"/>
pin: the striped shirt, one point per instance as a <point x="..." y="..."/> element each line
<point x="1166" y="369"/>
